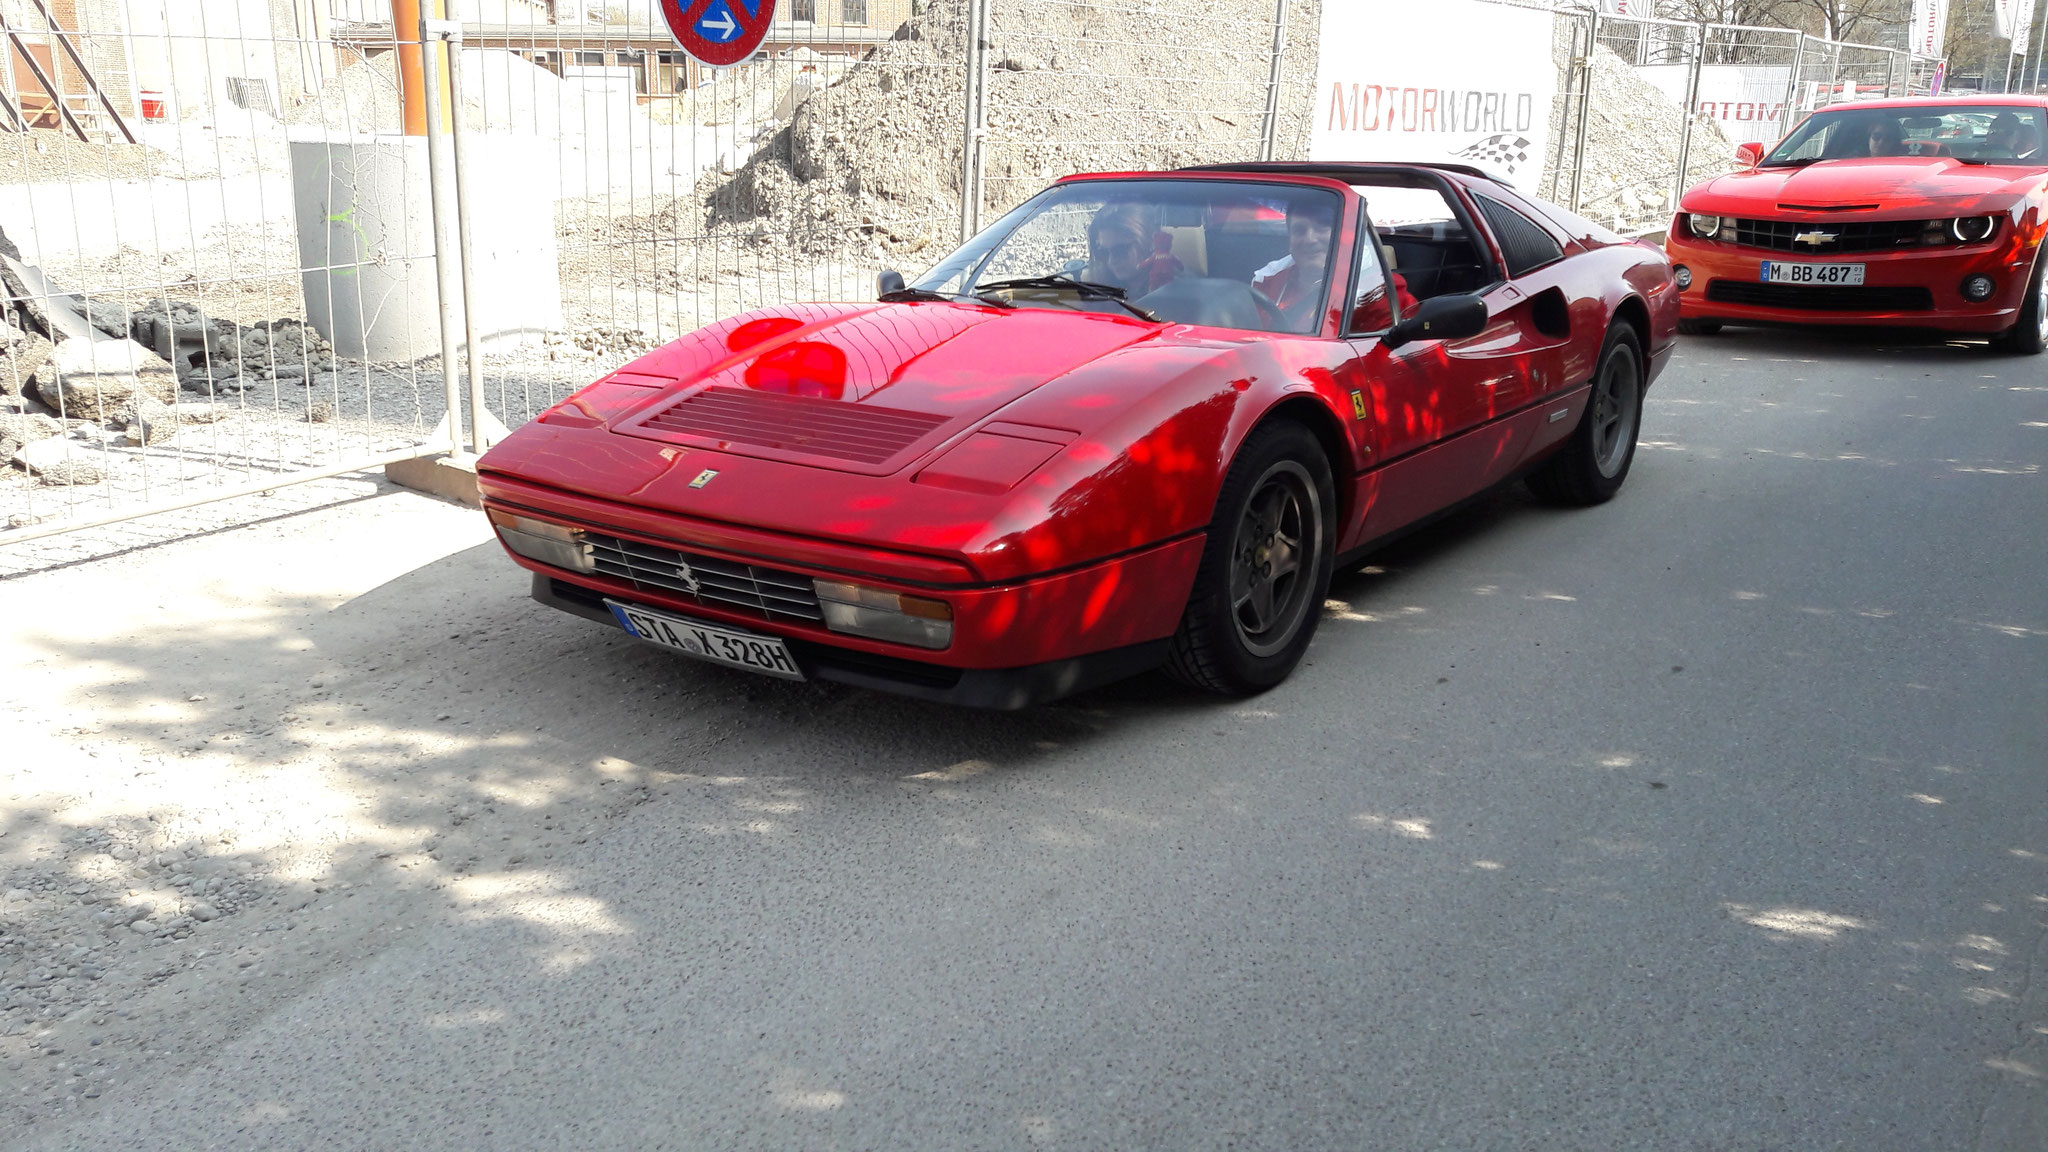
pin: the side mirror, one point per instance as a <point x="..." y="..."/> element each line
<point x="1749" y="155"/>
<point x="1442" y="318"/>
<point x="889" y="280"/>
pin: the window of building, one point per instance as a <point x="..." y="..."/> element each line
<point x="853" y="11"/>
<point x="594" y="59"/>
<point x="805" y="11"/>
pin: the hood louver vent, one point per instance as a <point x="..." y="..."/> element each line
<point x="831" y="429"/>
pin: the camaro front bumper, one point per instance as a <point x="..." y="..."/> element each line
<point x="1013" y="644"/>
<point x="1913" y="288"/>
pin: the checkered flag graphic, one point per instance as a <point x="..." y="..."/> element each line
<point x="1502" y="150"/>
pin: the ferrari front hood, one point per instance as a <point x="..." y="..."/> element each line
<point x="1931" y="186"/>
<point x="862" y="389"/>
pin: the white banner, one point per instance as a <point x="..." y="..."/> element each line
<point x="1748" y="103"/>
<point x="1450" y="80"/>
<point x="2009" y="15"/>
<point x="1929" y="31"/>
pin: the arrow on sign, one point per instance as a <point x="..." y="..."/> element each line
<point x="717" y="23"/>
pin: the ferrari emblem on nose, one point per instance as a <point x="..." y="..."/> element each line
<point x="1814" y="238"/>
<point x="704" y="477"/>
<point x="686" y="575"/>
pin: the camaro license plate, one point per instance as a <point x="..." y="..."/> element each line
<point x="764" y="654"/>
<point x="1778" y="272"/>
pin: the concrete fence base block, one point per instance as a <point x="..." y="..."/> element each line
<point x="449" y="477"/>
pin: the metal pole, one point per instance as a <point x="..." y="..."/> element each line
<point x="1574" y="72"/>
<point x="1585" y="108"/>
<point x="1891" y="68"/>
<point x="472" y="353"/>
<point x="446" y="272"/>
<point x="977" y="126"/>
<point x="1692" y="103"/>
<point x="2040" y="42"/>
<point x="1270" y="128"/>
<point x="1792" y="88"/>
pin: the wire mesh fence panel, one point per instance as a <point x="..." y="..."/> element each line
<point x="1094" y="85"/>
<point x="155" y="191"/>
<point x="1635" y="87"/>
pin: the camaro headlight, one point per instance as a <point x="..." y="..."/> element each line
<point x="1704" y="227"/>
<point x="1962" y="230"/>
<point x="858" y="610"/>
<point x="555" y="544"/>
<point x="1973" y="229"/>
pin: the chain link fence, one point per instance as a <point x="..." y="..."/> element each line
<point x="235" y="265"/>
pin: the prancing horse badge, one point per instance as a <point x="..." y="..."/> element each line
<point x="704" y="477"/>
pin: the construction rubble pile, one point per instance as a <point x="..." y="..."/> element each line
<point x="74" y="369"/>
<point x="1633" y="136"/>
<point x="870" y="165"/>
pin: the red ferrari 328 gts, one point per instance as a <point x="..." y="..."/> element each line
<point x="1137" y="421"/>
<point x="1922" y="213"/>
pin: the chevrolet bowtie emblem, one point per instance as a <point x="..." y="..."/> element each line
<point x="1814" y="238"/>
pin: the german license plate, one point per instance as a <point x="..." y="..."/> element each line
<point x="1778" y="272"/>
<point x="764" y="654"/>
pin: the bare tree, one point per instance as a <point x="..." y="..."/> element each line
<point x="1860" y="20"/>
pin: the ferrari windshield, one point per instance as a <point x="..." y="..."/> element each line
<point x="1991" y="134"/>
<point x="1226" y="253"/>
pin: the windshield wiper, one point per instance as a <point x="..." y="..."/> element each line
<point x="915" y="295"/>
<point x="1086" y="289"/>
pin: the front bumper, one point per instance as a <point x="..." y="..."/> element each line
<point x="1013" y="644"/>
<point x="1915" y="288"/>
<point x="1004" y="689"/>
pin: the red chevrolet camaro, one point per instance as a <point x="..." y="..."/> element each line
<point x="1925" y="213"/>
<point x="1137" y="421"/>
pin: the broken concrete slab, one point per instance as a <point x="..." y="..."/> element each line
<point x="94" y="378"/>
<point x="59" y="314"/>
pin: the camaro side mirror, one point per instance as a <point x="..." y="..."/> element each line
<point x="1749" y="155"/>
<point x="889" y="280"/>
<point x="1443" y="318"/>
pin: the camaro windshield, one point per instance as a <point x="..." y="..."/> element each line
<point x="1227" y="253"/>
<point x="1992" y="134"/>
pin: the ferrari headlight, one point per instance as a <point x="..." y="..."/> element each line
<point x="1704" y="227"/>
<point x="858" y="610"/>
<point x="1973" y="229"/>
<point x="555" y="544"/>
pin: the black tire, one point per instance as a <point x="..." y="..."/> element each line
<point x="1233" y="639"/>
<point x="1591" y="466"/>
<point x="1699" y="327"/>
<point x="2029" y="335"/>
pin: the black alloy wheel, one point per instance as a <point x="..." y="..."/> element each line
<point x="1594" y="462"/>
<point x="1265" y="569"/>
<point x="2029" y="335"/>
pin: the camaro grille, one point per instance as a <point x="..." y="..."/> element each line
<point x="1869" y="236"/>
<point x="860" y="433"/>
<point x="706" y="579"/>
<point x="1821" y="298"/>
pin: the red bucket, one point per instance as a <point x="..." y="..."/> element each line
<point x="152" y="105"/>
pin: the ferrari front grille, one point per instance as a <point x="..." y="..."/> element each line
<point x="1829" y="239"/>
<point x="706" y="579"/>
<point x="834" y="429"/>
<point x="1820" y="298"/>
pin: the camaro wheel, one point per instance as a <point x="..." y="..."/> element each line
<point x="2030" y="335"/>
<point x="1265" y="569"/>
<point x="1590" y="467"/>
<point x="1699" y="327"/>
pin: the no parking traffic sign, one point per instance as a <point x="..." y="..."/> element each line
<point x="719" y="32"/>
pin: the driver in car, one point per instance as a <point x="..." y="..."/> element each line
<point x="2008" y="138"/>
<point x="1120" y="247"/>
<point x="1295" y="282"/>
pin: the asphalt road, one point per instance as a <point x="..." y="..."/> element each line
<point x="1710" y="819"/>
